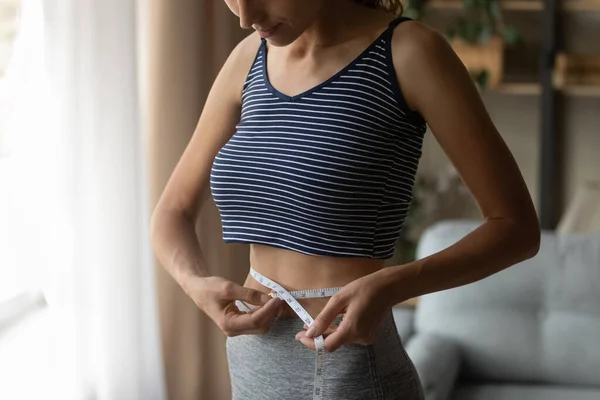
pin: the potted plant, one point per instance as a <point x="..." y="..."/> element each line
<point x="479" y="38"/>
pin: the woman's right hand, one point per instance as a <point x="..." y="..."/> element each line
<point x="216" y="296"/>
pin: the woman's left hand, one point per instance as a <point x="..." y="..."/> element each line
<point x="363" y="302"/>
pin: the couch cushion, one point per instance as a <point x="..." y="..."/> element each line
<point x="523" y="392"/>
<point x="538" y="321"/>
<point x="404" y="319"/>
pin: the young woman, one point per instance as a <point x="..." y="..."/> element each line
<point x="309" y="143"/>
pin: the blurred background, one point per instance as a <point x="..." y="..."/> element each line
<point x="98" y="100"/>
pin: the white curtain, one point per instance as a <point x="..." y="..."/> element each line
<point x="80" y="192"/>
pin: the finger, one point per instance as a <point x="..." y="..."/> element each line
<point x="328" y="331"/>
<point x="302" y="334"/>
<point x="257" y="318"/>
<point x="332" y="309"/>
<point x="267" y="312"/>
<point x="244" y="307"/>
<point x="281" y="304"/>
<point x="308" y="342"/>
<point x="248" y="295"/>
<point x="338" y="338"/>
<point x="250" y="308"/>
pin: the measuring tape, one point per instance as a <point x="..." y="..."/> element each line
<point x="290" y="298"/>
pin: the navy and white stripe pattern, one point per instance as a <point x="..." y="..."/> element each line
<point x="327" y="172"/>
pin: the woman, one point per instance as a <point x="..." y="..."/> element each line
<point x="309" y="142"/>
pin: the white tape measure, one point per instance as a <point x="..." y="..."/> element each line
<point x="290" y="298"/>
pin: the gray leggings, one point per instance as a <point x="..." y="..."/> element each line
<point x="275" y="366"/>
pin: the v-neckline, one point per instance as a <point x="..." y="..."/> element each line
<point x="283" y="96"/>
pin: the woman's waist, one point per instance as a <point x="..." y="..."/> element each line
<point x="295" y="271"/>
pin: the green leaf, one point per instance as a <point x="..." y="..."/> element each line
<point x="483" y="78"/>
<point x="494" y="10"/>
<point x="485" y="33"/>
<point x="473" y="32"/>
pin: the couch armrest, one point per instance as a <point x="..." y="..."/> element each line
<point x="437" y="361"/>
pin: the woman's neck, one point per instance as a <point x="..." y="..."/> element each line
<point x="338" y="22"/>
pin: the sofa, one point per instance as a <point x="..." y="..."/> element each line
<point x="531" y="331"/>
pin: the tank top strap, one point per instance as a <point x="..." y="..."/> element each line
<point x="397" y="20"/>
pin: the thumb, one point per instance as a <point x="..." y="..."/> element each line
<point x="325" y="318"/>
<point x="252" y="296"/>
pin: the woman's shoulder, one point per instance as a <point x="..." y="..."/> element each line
<point x="234" y="70"/>
<point x="415" y="39"/>
<point x="241" y="57"/>
<point x="243" y="54"/>
<point x="419" y="52"/>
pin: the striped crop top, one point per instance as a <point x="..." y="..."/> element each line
<point x="327" y="172"/>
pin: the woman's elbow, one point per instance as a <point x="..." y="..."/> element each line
<point x="155" y="227"/>
<point x="534" y="242"/>
<point x="528" y="237"/>
<point x="521" y="235"/>
<point x="167" y="219"/>
<point x="160" y="220"/>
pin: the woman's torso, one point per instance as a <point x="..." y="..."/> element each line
<point x="295" y="270"/>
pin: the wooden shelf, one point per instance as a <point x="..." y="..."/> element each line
<point x="516" y="88"/>
<point x="577" y="74"/>
<point x="581" y="90"/>
<point x="520" y="5"/>
<point x="520" y="88"/>
<point x="574" y="74"/>
<point x="581" y="5"/>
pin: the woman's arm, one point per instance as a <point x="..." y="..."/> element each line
<point x="437" y="85"/>
<point x="174" y="218"/>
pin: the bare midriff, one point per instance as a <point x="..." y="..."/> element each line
<point x="298" y="271"/>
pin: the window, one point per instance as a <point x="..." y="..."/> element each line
<point x="9" y="13"/>
<point x="16" y="47"/>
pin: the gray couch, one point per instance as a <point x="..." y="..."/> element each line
<point x="529" y="332"/>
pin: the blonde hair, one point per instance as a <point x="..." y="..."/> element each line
<point x="392" y="6"/>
